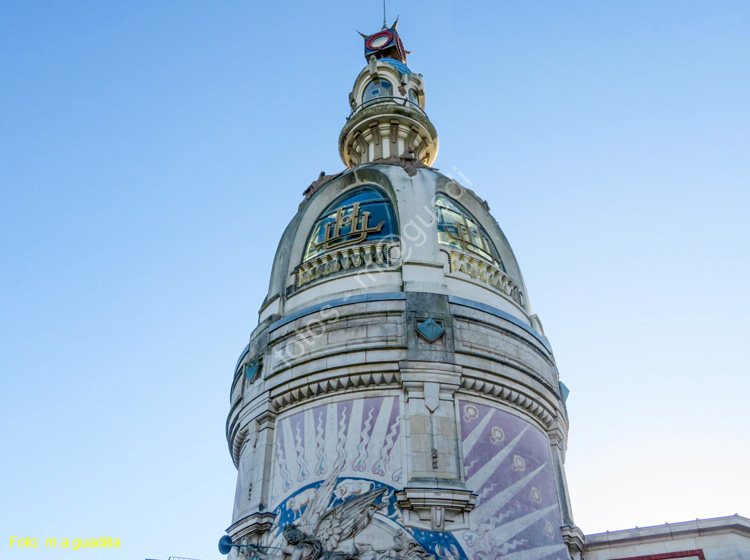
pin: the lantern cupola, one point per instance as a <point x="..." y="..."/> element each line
<point x="387" y="103"/>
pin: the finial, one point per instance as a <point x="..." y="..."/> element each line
<point x="385" y="25"/>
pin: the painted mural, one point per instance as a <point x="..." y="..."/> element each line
<point x="338" y="466"/>
<point x="336" y="472"/>
<point x="507" y="463"/>
<point x="360" y="435"/>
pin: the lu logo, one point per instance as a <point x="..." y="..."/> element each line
<point x="466" y="239"/>
<point x="349" y="228"/>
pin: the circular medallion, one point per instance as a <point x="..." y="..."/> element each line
<point x="379" y="40"/>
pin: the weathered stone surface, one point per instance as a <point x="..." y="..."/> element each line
<point x="366" y="439"/>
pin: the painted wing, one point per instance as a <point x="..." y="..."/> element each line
<point x="319" y="504"/>
<point x="347" y="519"/>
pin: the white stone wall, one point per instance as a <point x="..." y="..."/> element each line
<point x="340" y="397"/>
<point x="724" y="538"/>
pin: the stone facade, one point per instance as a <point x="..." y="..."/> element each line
<point x="398" y="399"/>
<point x="722" y="538"/>
<point x="459" y="429"/>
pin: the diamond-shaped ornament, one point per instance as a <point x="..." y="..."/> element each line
<point x="430" y="330"/>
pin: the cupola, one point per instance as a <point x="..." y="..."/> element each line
<point x="387" y="102"/>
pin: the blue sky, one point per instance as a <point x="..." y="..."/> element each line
<point x="151" y="154"/>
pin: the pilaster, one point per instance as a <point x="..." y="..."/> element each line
<point x="435" y="497"/>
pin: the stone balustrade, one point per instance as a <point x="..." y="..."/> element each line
<point x="487" y="273"/>
<point x="346" y="258"/>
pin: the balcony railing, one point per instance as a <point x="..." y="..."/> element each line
<point x="404" y="102"/>
<point x="346" y="258"/>
<point x="487" y="273"/>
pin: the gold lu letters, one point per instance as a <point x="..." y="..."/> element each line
<point x="358" y="228"/>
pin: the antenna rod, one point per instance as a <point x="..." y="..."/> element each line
<point x="385" y="25"/>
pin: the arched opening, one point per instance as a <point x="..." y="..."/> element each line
<point x="377" y="88"/>
<point x="459" y="229"/>
<point x="362" y="215"/>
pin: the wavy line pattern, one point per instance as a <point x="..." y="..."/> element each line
<point x="385" y="452"/>
<point x="360" y="464"/>
<point x="340" y="449"/>
<point x="300" y="449"/>
<point x="512" y="545"/>
<point x="485" y="492"/>
<point x="493" y="521"/>
<point x="320" y="443"/>
<point x="287" y="484"/>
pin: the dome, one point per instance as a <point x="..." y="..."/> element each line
<point x="397" y="64"/>
<point x="390" y="229"/>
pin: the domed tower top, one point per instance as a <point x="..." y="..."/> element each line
<point x="387" y="102"/>
<point x="398" y="387"/>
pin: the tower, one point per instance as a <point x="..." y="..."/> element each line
<point x="398" y="398"/>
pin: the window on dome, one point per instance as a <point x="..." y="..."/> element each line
<point x="459" y="229"/>
<point x="363" y="215"/>
<point x="413" y="97"/>
<point x="378" y="88"/>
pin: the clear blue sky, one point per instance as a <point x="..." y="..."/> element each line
<point x="151" y="154"/>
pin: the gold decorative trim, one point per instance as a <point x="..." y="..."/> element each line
<point x="487" y="273"/>
<point x="344" y="259"/>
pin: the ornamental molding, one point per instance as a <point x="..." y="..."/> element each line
<point x="516" y="398"/>
<point x="479" y="269"/>
<point x="402" y="376"/>
<point x="407" y="161"/>
<point x="377" y="255"/>
<point x="238" y="441"/>
<point x="575" y="540"/>
<point x="436" y="509"/>
<point x="316" y="185"/>
<point x="249" y="529"/>
<point x="286" y="395"/>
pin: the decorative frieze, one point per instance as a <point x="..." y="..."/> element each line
<point x="487" y="273"/>
<point x="503" y="393"/>
<point x="288" y="396"/>
<point x="348" y="258"/>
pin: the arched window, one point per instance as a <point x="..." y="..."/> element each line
<point x="378" y="88"/>
<point x="360" y="216"/>
<point x="457" y="228"/>
<point x="413" y="97"/>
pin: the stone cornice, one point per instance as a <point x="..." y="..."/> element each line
<point x="699" y="527"/>
<point x="437" y="509"/>
<point x="334" y="381"/>
<point x="389" y="375"/>
<point x="517" y="397"/>
<point x="251" y="527"/>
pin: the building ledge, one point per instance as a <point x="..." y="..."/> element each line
<point x="700" y="527"/>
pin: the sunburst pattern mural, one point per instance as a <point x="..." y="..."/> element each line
<point x="353" y="449"/>
<point x="507" y="463"/>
